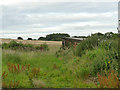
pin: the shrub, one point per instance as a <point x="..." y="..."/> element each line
<point x="29" y="39"/>
<point x="5" y="45"/>
<point x="56" y="36"/>
<point x="88" y="44"/>
<point x="42" y="38"/>
<point x="20" y="38"/>
<point x="19" y="46"/>
<point x="13" y="44"/>
<point x="106" y="57"/>
<point x="95" y="41"/>
<point x="42" y="47"/>
<point x="45" y="46"/>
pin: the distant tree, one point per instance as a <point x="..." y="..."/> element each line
<point x="56" y="36"/>
<point x="79" y="36"/>
<point x="42" y="38"/>
<point x="20" y="38"/>
<point x="98" y="34"/>
<point x="109" y="34"/>
<point x="29" y="39"/>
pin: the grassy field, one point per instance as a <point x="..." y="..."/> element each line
<point x="54" y="72"/>
<point x="43" y="60"/>
<point x="58" y="68"/>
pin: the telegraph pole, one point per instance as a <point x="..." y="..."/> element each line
<point x="119" y="39"/>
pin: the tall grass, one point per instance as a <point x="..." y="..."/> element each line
<point x="36" y="59"/>
<point x="53" y="72"/>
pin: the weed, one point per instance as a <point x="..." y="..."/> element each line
<point x="109" y="81"/>
<point x="14" y="84"/>
<point x="13" y="68"/>
<point x="4" y="75"/>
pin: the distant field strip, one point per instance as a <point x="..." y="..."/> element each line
<point x="36" y="42"/>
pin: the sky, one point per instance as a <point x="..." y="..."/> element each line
<point x="39" y="18"/>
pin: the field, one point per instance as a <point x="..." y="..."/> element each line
<point x="34" y="42"/>
<point x="61" y="68"/>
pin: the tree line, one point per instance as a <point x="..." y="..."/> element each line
<point x="50" y="37"/>
<point x="59" y="36"/>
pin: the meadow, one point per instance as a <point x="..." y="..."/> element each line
<point x="93" y="63"/>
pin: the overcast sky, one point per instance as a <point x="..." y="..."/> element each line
<point x="35" y="19"/>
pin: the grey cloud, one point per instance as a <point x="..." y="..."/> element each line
<point x="50" y="17"/>
<point x="69" y="7"/>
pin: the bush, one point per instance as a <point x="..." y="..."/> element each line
<point x="19" y="46"/>
<point x="20" y="38"/>
<point x="29" y="39"/>
<point x="43" y="47"/>
<point x="56" y="36"/>
<point x="13" y="44"/>
<point x="106" y="57"/>
<point x="103" y="52"/>
<point x="88" y="44"/>
<point x="42" y="38"/>
<point x="97" y="40"/>
<point x="5" y="45"/>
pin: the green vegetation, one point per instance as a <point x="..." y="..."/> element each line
<point x="97" y="54"/>
<point x="28" y="47"/>
<point x="20" y="38"/>
<point x="29" y="39"/>
<point x="104" y="52"/>
<point x="92" y="63"/>
<point x="54" y="37"/>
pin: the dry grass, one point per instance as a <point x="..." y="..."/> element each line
<point x="36" y="42"/>
<point x="38" y="83"/>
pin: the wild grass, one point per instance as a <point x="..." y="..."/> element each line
<point x="35" y="59"/>
<point x="45" y="68"/>
<point x="61" y="68"/>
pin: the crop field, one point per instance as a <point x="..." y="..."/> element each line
<point x="44" y="64"/>
<point x="35" y="42"/>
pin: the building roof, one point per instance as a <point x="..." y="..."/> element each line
<point x="74" y="38"/>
